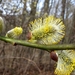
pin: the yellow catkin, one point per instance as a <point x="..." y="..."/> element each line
<point x="66" y="62"/>
<point x="14" y="33"/>
<point x="49" y="31"/>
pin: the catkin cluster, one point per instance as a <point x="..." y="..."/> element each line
<point x="50" y="31"/>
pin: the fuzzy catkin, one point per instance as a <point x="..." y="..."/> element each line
<point x="48" y="31"/>
<point x="14" y="33"/>
<point x="66" y="62"/>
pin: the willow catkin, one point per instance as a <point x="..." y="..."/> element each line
<point x="14" y="33"/>
<point x="49" y="31"/>
<point x="66" y="62"/>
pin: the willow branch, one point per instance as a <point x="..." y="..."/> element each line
<point x="39" y="46"/>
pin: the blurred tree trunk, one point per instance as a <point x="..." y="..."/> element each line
<point x="24" y="13"/>
<point x="63" y="9"/>
<point x="72" y="31"/>
<point x="46" y="6"/>
<point x="33" y="10"/>
<point x="56" y="10"/>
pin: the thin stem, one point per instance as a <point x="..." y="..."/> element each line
<point x="39" y="46"/>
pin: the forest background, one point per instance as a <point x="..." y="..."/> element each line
<point x="21" y="60"/>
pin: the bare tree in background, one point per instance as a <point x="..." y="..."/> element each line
<point x="19" y="60"/>
<point x="63" y="8"/>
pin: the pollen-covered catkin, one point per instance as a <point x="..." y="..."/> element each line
<point x="49" y="30"/>
<point x="14" y="33"/>
<point x="66" y="62"/>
